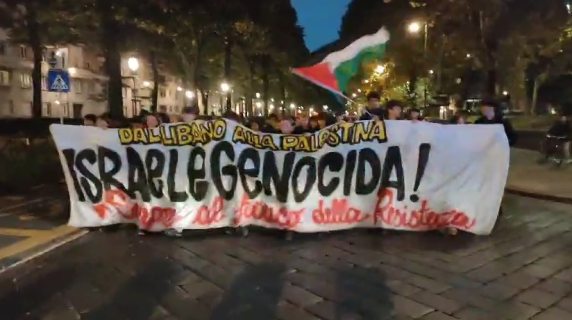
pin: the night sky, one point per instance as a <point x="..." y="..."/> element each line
<point x="321" y="20"/>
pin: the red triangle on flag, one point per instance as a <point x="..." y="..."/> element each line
<point x="320" y="74"/>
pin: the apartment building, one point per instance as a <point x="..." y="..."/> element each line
<point x="88" y="87"/>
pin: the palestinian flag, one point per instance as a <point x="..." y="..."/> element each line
<point x="336" y="70"/>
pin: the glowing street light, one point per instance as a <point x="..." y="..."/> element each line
<point x="133" y="64"/>
<point x="366" y="81"/>
<point x="258" y="95"/>
<point x="325" y="107"/>
<point x="271" y="107"/>
<point x="505" y="93"/>
<point x="354" y="95"/>
<point x="189" y="94"/>
<point x="146" y="83"/>
<point x="292" y="106"/>
<point x="430" y="71"/>
<point x="468" y="55"/>
<point x="414" y="27"/>
<point x="259" y="105"/>
<point x="224" y="87"/>
<point x="380" y="69"/>
<point x="179" y="89"/>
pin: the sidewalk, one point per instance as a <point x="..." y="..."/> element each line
<point x="527" y="176"/>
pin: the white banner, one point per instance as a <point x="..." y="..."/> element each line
<point x="394" y="174"/>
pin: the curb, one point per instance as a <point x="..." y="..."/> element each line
<point x="9" y="263"/>
<point x="539" y="196"/>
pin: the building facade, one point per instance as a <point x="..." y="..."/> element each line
<point x="88" y="83"/>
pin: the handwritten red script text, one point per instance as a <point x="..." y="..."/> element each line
<point x="339" y="213"/>
<point x="260" y="211"/>
<point x="118" y="201"/>
<point x="422" y="219"/>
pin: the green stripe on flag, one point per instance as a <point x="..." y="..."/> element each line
<point x="347" y="69"/>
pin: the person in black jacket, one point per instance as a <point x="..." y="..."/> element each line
<point x="491" y="114"/>
<point x="561" y="129"/>
<point x="373" y="105"/>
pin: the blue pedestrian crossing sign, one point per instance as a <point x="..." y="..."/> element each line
<point x="58" y="81"/>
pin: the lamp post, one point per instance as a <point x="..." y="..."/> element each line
<point x="225" y="88"/>
<point x="189" y="95"/>
<point x="133" y="64"/>
<point x="415" y="28"/>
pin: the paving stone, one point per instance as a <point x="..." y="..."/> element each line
<point x="508" y="275"/>
<point x="438" y="302"/>
<point x="565" y="304"/>
<point x="553" y="314"/>
<point x="437" y="316"/>
<point x="538" y="298"/>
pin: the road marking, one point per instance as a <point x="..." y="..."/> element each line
<point x="23" y="204"/>
<point x="51" y="247"/>
<point x="26" y="217"/>
<point x="42" y="237"/>
<point x="55" y="245"/>
<point x="22" y="232"/>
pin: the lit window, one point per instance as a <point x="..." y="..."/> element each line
<point x="26" y="81"/>
<point x="4" y="78"/>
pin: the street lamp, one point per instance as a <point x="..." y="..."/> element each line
<point x="179" y="89"/>
<point x="292" y="106"/>
<point x="189" y="94"/>
<point x="505" y="93"/>
<point x="380" y="69"/>
<point x="225" y="87"/>
<point x="414" y="27"/>
<point x="258" y="95"/>
<point x="146" y="83"/>
<point x="133" y="64"/>
<point x="430" y="71"/>
<point x="354" y="95"/>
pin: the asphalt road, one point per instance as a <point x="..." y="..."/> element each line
<point x="530" y="140"/>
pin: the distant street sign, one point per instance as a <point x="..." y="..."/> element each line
<point x="58" y="81"/>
